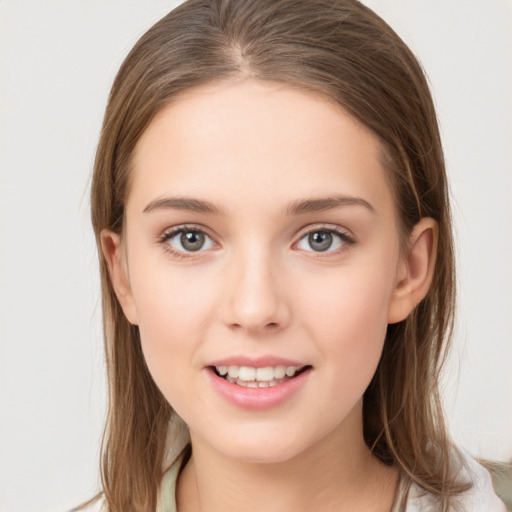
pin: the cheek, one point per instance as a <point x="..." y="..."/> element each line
<point x="174" y="311"/>
<point x="347" y="317"/>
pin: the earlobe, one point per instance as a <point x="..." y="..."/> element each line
<point x="112" y="249"/>
<point x="416" y="271"/>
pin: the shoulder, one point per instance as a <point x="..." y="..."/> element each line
<point x="481" y="497"/>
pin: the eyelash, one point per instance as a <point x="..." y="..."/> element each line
<point x="335" y="230"/>
<point x="346" y="240"/>
<point x="171" y="233"/>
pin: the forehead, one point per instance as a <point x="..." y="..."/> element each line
<point x="250" y="142"/>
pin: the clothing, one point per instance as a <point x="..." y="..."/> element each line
<point x="409" y="497"/>
<point x="480" y="498"/>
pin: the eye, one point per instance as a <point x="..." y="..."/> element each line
<point x="324" y="240"/>
<point x="186" y="240"/>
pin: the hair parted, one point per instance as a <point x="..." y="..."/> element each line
<point x="343" y="51"/>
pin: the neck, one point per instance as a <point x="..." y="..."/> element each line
<point x="336" y="473"/>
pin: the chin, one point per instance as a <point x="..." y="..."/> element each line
<point x="262" y="455"/>
<point x="262" y="447"/>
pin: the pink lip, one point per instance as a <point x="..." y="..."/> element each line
<point x="255" y="362"/>
<point x="257" y="399"/>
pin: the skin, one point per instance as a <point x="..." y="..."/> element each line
<point x="258" y="287"/>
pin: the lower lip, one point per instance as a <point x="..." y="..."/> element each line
<point x="257" y="399"/>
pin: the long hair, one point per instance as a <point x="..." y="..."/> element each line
<point x="338" y="49"/>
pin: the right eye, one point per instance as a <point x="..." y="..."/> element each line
<point x="185" y="240"/>
<point x="325" y="240"/>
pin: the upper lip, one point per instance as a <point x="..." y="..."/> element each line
<point x="256" y="362"/>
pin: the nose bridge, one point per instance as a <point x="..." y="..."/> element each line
<point x="255" y="299"/>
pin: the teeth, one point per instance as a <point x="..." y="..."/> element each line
<point x="279" y="372"/>
<point x="256" y="377"/>
<point x="290" y="371"/>
<point x="233" y="371"/>
<point x="265" y="374"/>
<point x="247" y="373"/>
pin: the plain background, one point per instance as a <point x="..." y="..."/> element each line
<point x="57" y="62"/>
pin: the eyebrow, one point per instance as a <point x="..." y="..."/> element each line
<point x="298" y="207"/>
<point x="183" y="203"/>
<point x="321" y="204"/>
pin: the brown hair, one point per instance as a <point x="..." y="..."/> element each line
<point x="345" y="52"/>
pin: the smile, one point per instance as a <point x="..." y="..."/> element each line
<point x="252" y="377"/>
<point x="257" y="385"/>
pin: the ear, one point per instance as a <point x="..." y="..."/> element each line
<point x="415" y="271"/>
<point x="113" y="251"/>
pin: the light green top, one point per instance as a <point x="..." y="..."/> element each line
<point x="409" y="496"/>
<point x="168" y="490"/>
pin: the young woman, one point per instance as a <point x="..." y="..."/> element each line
<point x="271" y="210"/>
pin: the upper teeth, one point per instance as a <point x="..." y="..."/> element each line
<point x="265" y="374"/>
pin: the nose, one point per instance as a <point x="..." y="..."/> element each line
<point x="255" y="299"/>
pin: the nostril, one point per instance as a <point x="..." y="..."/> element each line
<point x="270" y="325"/>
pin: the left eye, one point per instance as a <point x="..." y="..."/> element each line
<point x="322" y="240"/>
<point x="189" y="240"/>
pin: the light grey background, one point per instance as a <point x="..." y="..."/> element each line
<point x="57" y="61"/>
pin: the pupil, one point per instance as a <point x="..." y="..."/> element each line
<point x="320" y="241"/>
<point x="192" y="240"/>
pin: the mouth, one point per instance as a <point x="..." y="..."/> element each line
<point x="261" y="377"/>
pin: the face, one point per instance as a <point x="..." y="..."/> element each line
<point x="260" y="240"/>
